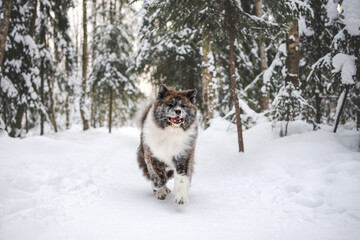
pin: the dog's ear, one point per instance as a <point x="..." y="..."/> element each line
<point x="163" y="92"/>
<point x="191" y="94"/>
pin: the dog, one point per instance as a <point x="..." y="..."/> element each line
<point x="169" y="129"/>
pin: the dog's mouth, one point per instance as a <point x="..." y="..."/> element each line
<point x="176" y="120"/>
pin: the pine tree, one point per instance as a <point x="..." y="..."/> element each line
<point x="62" y="81"/>
<point x="289" y="105"/>
<point x="171" y="54"/>
<point x="19" y="85"/>
<point x="217" y="18"/>
<point x="4" y="27"/>
<point x="30" y="74"/>
<point x="315" y="48"/>
<point x="345" y="61"/>
<point x="110" y="76"/>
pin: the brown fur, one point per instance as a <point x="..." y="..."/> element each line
<point x="159" y="168"/>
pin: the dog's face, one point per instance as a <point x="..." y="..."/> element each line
<point x="175" y="108"/>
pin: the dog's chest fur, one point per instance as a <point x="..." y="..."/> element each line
<point x="167" y="143"/>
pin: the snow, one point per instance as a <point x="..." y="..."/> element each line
<point x="332" y="12"/>
<point x="352" y="16"/>
<point x="303" y="29"/>
<point x="325" y="60"/>
<point x="8" y="87"/>
<point x="346" y="64"/>
<point x="86" y="185"/>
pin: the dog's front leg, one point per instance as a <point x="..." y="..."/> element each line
<point x="182" y="179"/>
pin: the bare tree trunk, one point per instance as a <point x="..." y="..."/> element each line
<point x="67" y="112"/>
<point x="18" y="119"/>
<point x="110" y="108"/>
<point x="318" y="93"/>
<point x="4" y="105"/>
<point x="110" y="89"/>
<point x="319" y="36"/>
<point x="42" y="116"/>
<point x="42" y="72"/>
<point x="265" y="95"/>
<point x="206" y="79"/>
<point x="293" y="54"/>
<point x="357" y="101"/>
<point x="84" y="116"/>
<point x="52" y="105"/>
<point x="338" y="116"/>
<point x="4" y="27"/>
<point x="233" y="76"/>
<point x="26" y="121"/>
<point x="92" y="114"/>
<point x="76" y="57"/>
<point x="292" y="61"/>
<point x="103" y="3"/>
<point x="33" y="20"/>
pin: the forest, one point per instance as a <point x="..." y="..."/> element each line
<point x="82" y="62"/>
<point x="274" y="155"/>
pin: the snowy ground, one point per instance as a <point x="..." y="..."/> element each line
<point x="86" y="185"/>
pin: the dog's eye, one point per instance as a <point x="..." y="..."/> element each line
<point x="182" y="105"/>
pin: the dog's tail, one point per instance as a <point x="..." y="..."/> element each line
<point x="143" y="108"/>
<point x="141" y="159"/>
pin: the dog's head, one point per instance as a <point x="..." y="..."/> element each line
<point x="175" y="108"/>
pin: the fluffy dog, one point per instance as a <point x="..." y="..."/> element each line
<point x="167" y="142"/>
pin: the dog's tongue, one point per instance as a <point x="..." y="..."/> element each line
<point x="175" y="119"/>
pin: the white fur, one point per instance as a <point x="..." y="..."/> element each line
<point x="169" y="142"/>
<point x="181" y="188"/>
<point x="141" y="108"/>
<point x="161" y="193"/>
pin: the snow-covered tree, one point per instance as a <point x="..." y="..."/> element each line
<point x="170" y="55"/>
<point x="19" y="81"/>
<point x="110" y="75"/>
<point x="316" y="35"/>
<point x="289" y="105"/>
<point x="32" y="66"/>
<point x="346" y="61"/>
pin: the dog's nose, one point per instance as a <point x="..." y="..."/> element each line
<point x="178" y="112"/>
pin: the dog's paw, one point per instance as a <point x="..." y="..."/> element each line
<point x="162" y="192"/>
<point x="167" y="189"/>
<point x="180" y="199"/>
<point x="181" y="189"/>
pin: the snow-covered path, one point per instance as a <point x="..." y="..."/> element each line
<point x="86" y="185"/>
